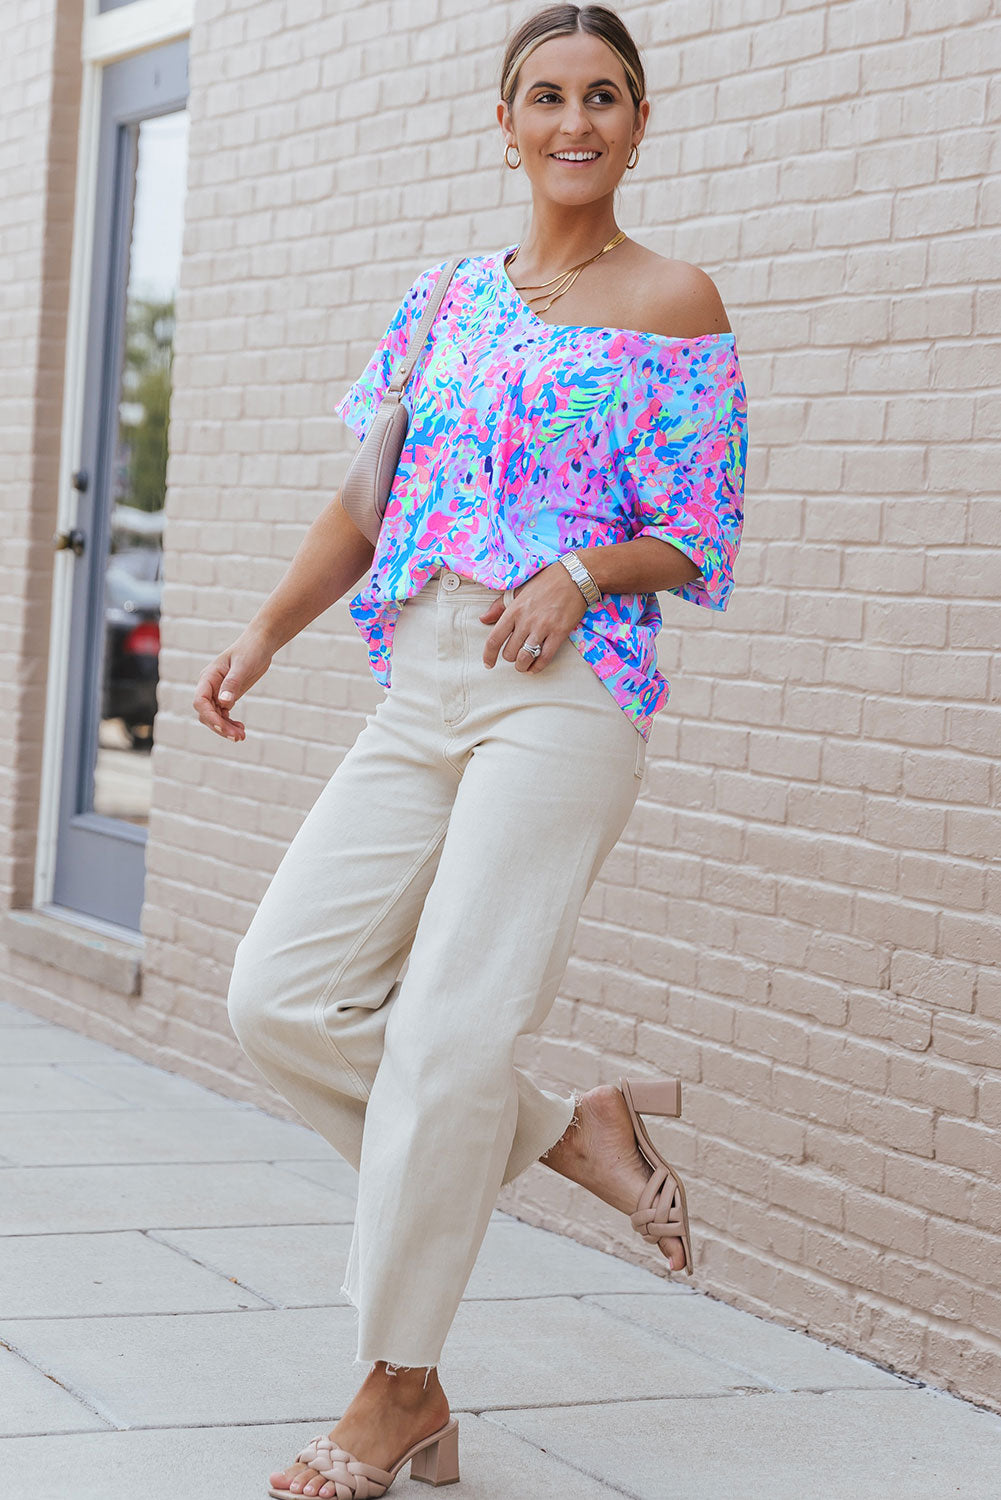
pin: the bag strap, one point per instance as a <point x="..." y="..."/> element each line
<point x="420" y="333"/>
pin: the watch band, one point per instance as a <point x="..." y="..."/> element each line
<point x="581" y="577"/>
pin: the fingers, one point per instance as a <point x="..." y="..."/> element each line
<point x="514" y="651"/>
<point x="536" y="663"/>
<point x="210" y="711"/>
<point x="522" y="636"/>
<point x="508" y="639"/>
<point x="493" y="615"/>
<point x="529" y="661"/>
<point x="493" y="611"/>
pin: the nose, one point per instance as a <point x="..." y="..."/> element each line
<point x="574" y="117"/>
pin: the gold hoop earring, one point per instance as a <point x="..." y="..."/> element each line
<point x="637" y="150"/>
<point x="514" y="165"/>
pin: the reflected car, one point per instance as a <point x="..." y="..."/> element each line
<point x="132" y="593"/>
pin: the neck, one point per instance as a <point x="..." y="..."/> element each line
<point x="558" y="237"/>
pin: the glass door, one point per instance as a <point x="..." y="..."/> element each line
<point x="121" y="485"/>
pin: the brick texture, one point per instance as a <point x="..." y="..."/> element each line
<point x="802" y="918"/>
<point x="39" y="87"/>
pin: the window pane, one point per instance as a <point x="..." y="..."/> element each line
<point x="134" y="573"/>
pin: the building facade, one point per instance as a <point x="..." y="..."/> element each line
<point x="210" y="209"/>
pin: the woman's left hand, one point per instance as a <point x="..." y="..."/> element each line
<point x="543" y="611"/>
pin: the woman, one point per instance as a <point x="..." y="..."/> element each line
<point x="576" y="443"/>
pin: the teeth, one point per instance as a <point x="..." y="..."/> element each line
<point x="575" y="155"/>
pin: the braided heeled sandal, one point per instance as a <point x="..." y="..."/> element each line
<point x="434" y="1459"/>
<point x="662" y="1211"/>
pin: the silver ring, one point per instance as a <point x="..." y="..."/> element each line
<point x="533" y="650"/>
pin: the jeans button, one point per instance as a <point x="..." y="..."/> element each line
<point x="450" y="580"/>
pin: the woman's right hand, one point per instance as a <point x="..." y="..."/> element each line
<point x="226" y="679"/>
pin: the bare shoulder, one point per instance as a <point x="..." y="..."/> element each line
<point x="680" y="299"/>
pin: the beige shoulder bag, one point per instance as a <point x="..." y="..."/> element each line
<point x="370" y="474"/>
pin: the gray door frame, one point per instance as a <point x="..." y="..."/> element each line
<point x="100" y="861"/>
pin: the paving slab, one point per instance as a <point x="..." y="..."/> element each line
<point x="232" y="1463"/>
<point x="64" y="1199"/>
<point x="766" y="1353"/>
<point x="143" y="1086"/>
<point x="334" y="1172"/>
<point x="839" y="1445"/>
<point x="33" y="1089"/>
<point x="521" y="1260"/>
<point x="62" y="1275"/>
<point x="568" y="1349"/>
<point x="249" y="1367"/>
<point x="56" y="1138"/>
<point x="57" y="1044"/>
<point x="202" y="1368"/>
<point x="30" y="1402"/>
<point x="16" y="1015"/>
<point x="298" y="1266"/>
<point x="305" y="1267"/>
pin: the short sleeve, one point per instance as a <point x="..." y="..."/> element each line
<point x="682" y="436"/>
<point x="360" y="402"/>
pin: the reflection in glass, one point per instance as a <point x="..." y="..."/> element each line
<point x="134" y="575"/>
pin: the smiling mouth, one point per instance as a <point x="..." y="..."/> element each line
<point x="575" y="158"/>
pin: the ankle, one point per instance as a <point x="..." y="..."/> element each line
<point x="405" y="1383"/>
<point x="571" y="1137"/>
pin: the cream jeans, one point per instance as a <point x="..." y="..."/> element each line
<point x="419" y="922"/>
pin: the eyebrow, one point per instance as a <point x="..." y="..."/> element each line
<point x="557" y="86"/>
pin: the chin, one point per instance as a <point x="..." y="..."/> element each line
<point x="576" y="200"/>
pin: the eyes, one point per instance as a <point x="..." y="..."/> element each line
<point x="598" y="93"/>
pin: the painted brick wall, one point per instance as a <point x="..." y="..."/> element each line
<point x="39" y="90"/>
<point x="801" y="919"/>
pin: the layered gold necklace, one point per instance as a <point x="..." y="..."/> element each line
<point x="567" y="277"/>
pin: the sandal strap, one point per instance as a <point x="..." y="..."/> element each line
<point x="351" y="1477"/>
<point x="655" y="1231"/>
<point x="651" y="1214"/>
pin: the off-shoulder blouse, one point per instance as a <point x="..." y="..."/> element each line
<point x="527" y="438"/>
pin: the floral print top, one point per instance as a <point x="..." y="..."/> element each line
<point x="527" y="438"/>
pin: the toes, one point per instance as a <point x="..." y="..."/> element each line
<point x="294" y="1479"/>
<point x="675" y="1253"/>
<point x="677" y="1256"/>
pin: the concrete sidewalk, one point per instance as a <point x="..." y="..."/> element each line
<point x="172" y="1329"/>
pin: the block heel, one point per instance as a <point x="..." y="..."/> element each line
<point x="439" y="1463"/>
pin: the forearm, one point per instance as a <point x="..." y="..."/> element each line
<point x="330" y="559"/>
<point x="640" y="566"/>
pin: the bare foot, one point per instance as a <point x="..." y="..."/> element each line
<point x="599" y="1150"/>
<point x="388" y="1415"/>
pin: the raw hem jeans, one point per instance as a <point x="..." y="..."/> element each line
<point x="419" y="922"/>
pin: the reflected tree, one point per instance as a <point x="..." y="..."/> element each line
<point x="144" y="413"/>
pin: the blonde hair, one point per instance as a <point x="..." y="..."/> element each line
<point x="569" y="20"/>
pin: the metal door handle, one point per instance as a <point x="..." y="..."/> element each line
<point x="74" y="539"/>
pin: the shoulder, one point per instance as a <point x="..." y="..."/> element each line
<point x="680" y="299"/>
<point x="465" y="265"/>
<point x="468" y="268"/>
